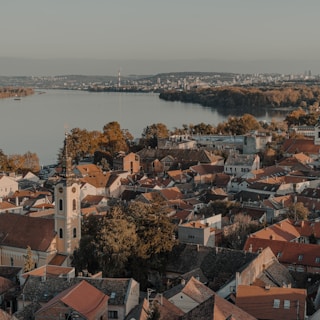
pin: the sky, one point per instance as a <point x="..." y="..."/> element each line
<point x="101" y="37"/>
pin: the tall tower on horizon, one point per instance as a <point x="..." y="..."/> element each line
<point x="119" y="79"/>
<point x="67" y="216"/>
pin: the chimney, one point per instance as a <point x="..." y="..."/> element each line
<point x="183" y="282"/>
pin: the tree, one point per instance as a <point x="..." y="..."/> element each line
<point x="114" y="139"/>
<point x="236" y="234"/>
<point x="3" y="161"/>
<point x="298" y="211"/>
<point x="133" y="237"/>
<point x="28" y="260"/>
<point x="154" y="229"/>
<point x="22" y="163"/>
<point x="152" y="133"/>
<point x="115" y="243"/>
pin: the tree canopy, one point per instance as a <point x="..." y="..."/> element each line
<point x="137" y="234"/>
<point x="152" y="133"/>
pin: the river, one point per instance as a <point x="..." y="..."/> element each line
<point x="37" y="123"/>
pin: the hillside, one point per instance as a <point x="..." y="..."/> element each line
<point x="247" y="97"/>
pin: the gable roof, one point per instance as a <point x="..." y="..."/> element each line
<point x="81" y="297"/>
<point x="260" y="302"/>
<point x="217" y="264"/>
<point x="292" y="146"/>
<point x="197" y="290"/>
<point x="49" y="271"/>
<point x="200" y="293"/>
<point x="36" y="289"/>
<point x="92" y="200"/>
<point x="283" y="231"/>
<point x="225" y="310"/>
<point x="302" y="254"/>
<point x="171" y="193"/>
<point x="88" y="169"/>
<point x="202" y="169"/>
<point x="179" y="155"/>
<point x="98" y="180"/>
<point x="22" y="231"/>
<point x="271" y="171"/>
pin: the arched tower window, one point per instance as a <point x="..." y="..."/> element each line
<point x="74" y="232"/>
<point x="60" y="204"/>
<point x="60" y="233"/>
<point x="74" y="205"/>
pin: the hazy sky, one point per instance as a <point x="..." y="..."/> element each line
<point x="51" y="37"/>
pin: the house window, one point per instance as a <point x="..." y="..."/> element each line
<point x="276" y="303"/>
<point x="60" y="233"/>
<point x="113" y="314"/>
<point x="74" y="205"/>
<point x="286" y="304"/>
<point x="279" y="254"/>
<point x="11" y="262"/>
<point x="317" y="259"/>
<point x="74" y="232"/>
<point x="60" y="205"/>
<point x="300" y="257"/>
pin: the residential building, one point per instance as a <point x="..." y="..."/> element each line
<point x="196" y="232"/>
<point x="82" y="300"/>
<point x="240" y="164"/>
<point x="127" y="162"/>
<point x="7" y="186"/>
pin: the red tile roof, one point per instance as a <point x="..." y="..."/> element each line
<point x="83" y="298"/>
<point x="302" y="254"/>
<point x="49" y="271"/>
<point x="292" y="146"/>
<point x="270" y="303"/>
<point x="283" y="231"/>
<point x="22" y="231"/>
<point x="224" y="309"/>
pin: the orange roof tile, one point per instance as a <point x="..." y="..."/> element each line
<point x="302" y="254"/>
<point x="283" y="231"/>
<point x="83" y="298"/>
<point x="270" y="303"/>
<point x="22" y="231"/>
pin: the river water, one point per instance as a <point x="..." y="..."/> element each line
<point x="37" y="123"/>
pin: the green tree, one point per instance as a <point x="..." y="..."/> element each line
<point x="28" y="260"/>
<point x="154" y="229"/>
<point x="116" y="242"/>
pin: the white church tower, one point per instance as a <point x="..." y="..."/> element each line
<point x="67" y="215"/>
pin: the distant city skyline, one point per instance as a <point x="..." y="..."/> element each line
<point x="146" y="37"/>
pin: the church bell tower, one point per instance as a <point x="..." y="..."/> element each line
<point x="67" y="214"/>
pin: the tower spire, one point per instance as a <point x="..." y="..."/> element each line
<point x="66" y="160"/>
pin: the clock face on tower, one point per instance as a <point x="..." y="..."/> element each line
<point x="60" y="189"/>
<point x="74" y="189"/>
